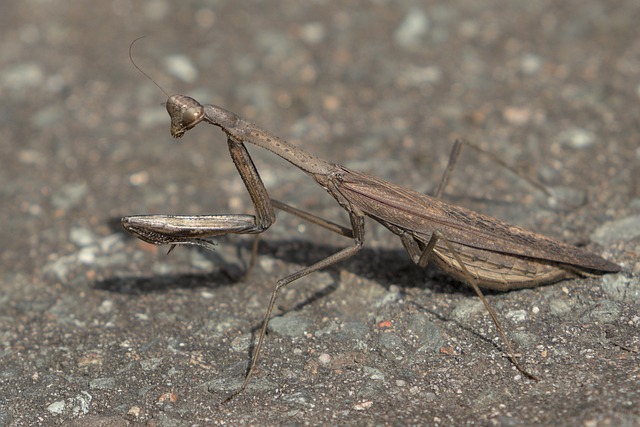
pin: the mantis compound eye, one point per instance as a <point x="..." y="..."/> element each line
<point x="192" y="116"/>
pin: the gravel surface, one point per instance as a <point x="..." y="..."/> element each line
<point x="100" y="329"/>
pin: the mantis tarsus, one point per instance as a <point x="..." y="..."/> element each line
<point x="474" y="248"/>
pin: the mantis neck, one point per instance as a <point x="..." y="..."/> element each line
<point x="245" y="131"/>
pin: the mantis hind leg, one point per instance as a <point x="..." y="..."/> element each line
<point x="421" y="256"/>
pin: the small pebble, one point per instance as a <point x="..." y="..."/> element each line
<point x="324" y="359"/>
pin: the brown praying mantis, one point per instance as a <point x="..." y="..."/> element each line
<point x="474" y="248"/>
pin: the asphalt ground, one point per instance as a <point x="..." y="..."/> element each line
<point x="98" y="328"/>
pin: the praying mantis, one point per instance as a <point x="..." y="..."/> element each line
<point x="474" y="248"/>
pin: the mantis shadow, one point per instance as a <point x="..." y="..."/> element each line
<point x="387" y="267"/>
